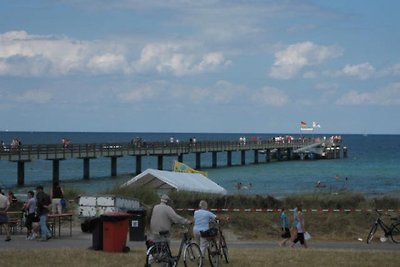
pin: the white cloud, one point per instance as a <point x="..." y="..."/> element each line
<point x="107" y="63"/>
<point x="22" y="54"/>
<point x="178" y="60"/>
<point x="270" y="96"/>
<point x="362" y="71"/>
<point x="388" y="96"/>
<point x="32" y="55"/>
<point x="294" y="58"/>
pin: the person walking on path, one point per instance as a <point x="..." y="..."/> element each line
<point x="162" y="218"/>
<point x="43" y="203"/>
<point x="301" y="229"/>
<point x="30" y="208"/>
<point x="4" y="206"/>
<point x="285" y="228"/>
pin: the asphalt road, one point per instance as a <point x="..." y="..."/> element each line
<point x="84" y="240"/>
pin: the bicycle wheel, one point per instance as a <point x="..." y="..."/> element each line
<point x="213" y="253"/>
<point x="372" y="233"/>
<point x="224" y="247"/>
<point x="157" y="255"/>
<point x="395" y="233"/>
<point x="192" y="256"/>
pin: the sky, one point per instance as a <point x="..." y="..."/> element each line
<point x="223" y="66"/>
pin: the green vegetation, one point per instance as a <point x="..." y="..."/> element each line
<point x="342" y="200"/>
<point x="265" y="225"/>
<point x="332" y="226"/>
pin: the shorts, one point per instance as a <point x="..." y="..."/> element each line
<point x="285" y="233"/>
<point x="3" y="218"/>
<point x="300" y="237"/>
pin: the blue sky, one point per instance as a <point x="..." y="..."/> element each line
<point x="200" y="66"/>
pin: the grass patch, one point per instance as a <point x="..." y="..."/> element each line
<point x="238" y="257"/>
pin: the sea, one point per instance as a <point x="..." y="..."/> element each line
<point x="371" y="168"/>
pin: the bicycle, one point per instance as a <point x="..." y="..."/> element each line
<point x="217" y="247"/>
<point x="393" y="230"/>
<point x="159" y="252"/>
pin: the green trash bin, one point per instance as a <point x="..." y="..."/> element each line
<point x="137" y="224"/>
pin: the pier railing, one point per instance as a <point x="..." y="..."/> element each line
<point x="56" y="152"/>
<point x="93" y="150"/>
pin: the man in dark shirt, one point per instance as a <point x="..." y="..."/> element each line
<point x="43" y="203"/>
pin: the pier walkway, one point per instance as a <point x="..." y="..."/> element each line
<point x="282" y="149"/>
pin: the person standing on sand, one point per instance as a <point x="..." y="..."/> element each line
<point x="285" y="228"/>
<point x="301" y="229"/>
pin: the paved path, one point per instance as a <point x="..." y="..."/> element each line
<point x="84" y="240"/>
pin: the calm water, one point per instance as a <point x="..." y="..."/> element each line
<point x="372" y="166"/>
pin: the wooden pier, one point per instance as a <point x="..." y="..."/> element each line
<point x="270" y="149"/>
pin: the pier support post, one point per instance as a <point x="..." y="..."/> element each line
<point x="180" y="157"/>
<point x="256" y="156"/>
<point x="113" y="166"/>
<point x="214" y="159"/>
<point x="279" y="154"/>
<point x="229" y="158"/>
<point x="268" y="155"/>
<point x="198" y="160"/>
<point x="243" y="157"/>
<point x="345" y="152"/>
<point x="86" y="168"/>
<point x="21" y="172"/>
<point x="160" y="162"/>
<point x="56" y="171"/>
<point x="289" y="152"/>
<point x="138" y="164"/>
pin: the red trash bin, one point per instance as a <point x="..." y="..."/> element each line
<point x="115" y="231"/>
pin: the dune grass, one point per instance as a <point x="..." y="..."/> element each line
<point x="324" y="226"/>
<point x="238" y="257"/>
